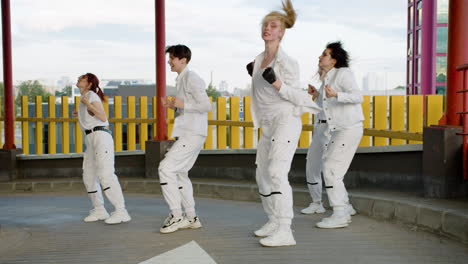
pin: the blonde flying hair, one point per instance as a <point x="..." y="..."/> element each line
<point x="288" y="18"/>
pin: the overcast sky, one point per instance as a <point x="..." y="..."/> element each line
<point x="115" y="38"/>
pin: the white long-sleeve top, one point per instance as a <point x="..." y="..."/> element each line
<point x="344" y="110"/>
<point x="267" y="102"/>
<point x="193" y="119"/>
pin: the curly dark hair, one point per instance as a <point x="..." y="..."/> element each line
<point x="339" y="54"/>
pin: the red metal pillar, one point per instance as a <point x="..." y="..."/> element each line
<point x="8" y="77"/>
<point x="457" y="54"/>
<point x="464" y="92"/>
<point x="160" y="69"/>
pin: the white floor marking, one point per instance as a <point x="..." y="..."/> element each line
<point x="190" y="253"/>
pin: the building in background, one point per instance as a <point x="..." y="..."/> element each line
<point x="382" y="80"/>
<point x="223" y="86"/>
<point x="427" y="46"/>
<point x="110" y="87"/>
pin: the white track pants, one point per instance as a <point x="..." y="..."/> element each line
<point x="98" y="170"/>
<point x="331" y="153"/>
<point x="275" y="151"/>
<point x="173" y="172"/>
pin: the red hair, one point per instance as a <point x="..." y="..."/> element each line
<point x="93" y="79"/>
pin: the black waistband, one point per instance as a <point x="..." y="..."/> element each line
<point x="97" y="128"/>
<point x="322" y="121"/>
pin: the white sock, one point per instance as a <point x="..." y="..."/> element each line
<point x="177" y="213"/>
<point x="190" y="214"/>
<point x="339" y="211"/>
<point x="284" y="227"/>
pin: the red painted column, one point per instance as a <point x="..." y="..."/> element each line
<point x="8" y="77"/>
<point x="160" y="69"/>
<point x="457" y="54"/>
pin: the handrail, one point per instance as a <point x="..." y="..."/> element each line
<point x="462" y="67"/>
<point x="389" y="120"/>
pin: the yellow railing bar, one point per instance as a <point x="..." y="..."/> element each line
<point x="65" y="126"/>
<point x="234" y="137"/>
<point x="38" y="136"/>
<point x="209" y="134"/>
<point x="221" y="129"/>
<point x="52" y="133"/>
<point x="143" y="126"/>
<point x="24" y="125"/>
<point x="118" y="125"/>
<point x="78" y="132"/>
<point x="248" y="131"/>
<point x="131" y="127"/>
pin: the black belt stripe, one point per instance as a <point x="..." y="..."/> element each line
<point x="267" y="195"/>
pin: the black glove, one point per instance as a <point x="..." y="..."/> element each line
<point x="250" y="68"/>
<point x="269" y="75"/>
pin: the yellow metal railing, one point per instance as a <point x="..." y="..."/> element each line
<point x="389" y="120"/>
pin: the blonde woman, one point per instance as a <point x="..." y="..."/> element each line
<point x="277" y="105"/>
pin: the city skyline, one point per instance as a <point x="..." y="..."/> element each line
<point x="115" y="39"/>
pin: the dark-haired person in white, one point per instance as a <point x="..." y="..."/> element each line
<point x="277" y="105"/>
<point x="337" y="132"/>
<point x="190" y="127"/>
<point x="98" y="159"/>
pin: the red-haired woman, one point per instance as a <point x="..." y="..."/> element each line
<point x="98" y="159"/>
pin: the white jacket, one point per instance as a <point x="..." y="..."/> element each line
<point x="193" y="119"/>
<point x="345" y="110"/>
<point x="287" y="70"/>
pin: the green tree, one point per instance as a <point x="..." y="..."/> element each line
<point x="211" y="91"/>
<point x="400" y="87"/>
<point x="66" y="91"/>
<point x="441" y="78"/>
<point x="31" y="89"/>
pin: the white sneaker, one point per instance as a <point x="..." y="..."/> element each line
<point x="96" y="215"/>
<point x="193" y="223"/>
<point x="314" y="208"/>
<point x="267" y="229"/>
<point x="279" y="239"/>
<point x="118" y="216"/>
<point x="350" y="209"/>
<point x="335" y="221"/>
<point x="172" y="224"/>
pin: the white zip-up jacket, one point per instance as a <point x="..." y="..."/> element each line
<point x="193" y="119"/>
<point x="344" y="110"/>
<point x="287" y="70"/>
